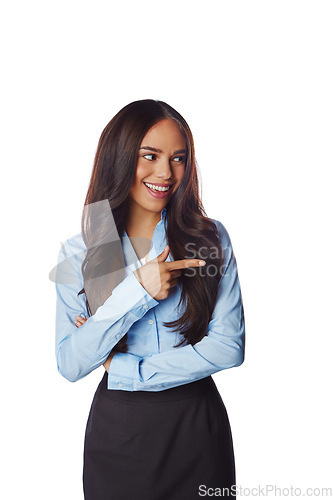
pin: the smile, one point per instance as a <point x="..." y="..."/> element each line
<point x="157" y="188"/>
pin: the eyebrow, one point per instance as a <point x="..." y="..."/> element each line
<point x="149" y="148"/>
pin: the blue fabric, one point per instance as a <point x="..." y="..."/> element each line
<point x="152" y="363"/>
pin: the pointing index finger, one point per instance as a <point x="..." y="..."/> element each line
<point x="184" y="263"/>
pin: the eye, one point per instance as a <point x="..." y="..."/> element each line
<point x="179" y="159"/>
<point x="144" y="156"/>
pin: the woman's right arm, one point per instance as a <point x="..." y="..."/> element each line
<point x="81" y="350"/>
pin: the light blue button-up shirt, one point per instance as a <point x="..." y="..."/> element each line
<point x="152" y="363"/>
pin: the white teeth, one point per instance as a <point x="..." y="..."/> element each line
<point x="157" y="188"/>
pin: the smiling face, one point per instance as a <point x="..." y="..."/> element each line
<point x="161" y="163"/>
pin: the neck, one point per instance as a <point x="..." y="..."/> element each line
<point x="141" y="222"/>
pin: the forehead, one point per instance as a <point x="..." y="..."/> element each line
<point x="165" y="132"/>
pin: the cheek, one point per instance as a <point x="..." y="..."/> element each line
<point x="179" y="174"/>
<point x="143" y="170"/>
<point x="139" y="176"/>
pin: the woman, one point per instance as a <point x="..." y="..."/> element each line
<point x="152" y="294"/>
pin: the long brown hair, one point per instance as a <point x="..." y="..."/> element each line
<point x="186" y="221"/>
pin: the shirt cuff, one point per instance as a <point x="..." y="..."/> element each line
<point x="123" y="370"/>
<point x="129" y="294"/>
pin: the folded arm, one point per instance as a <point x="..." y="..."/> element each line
<point x="81" y="350"/>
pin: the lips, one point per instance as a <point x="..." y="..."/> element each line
<point x="158" y="194"/>
<point x="158" y="184"/>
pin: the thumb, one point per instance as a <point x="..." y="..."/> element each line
<point x="164" y="254"/>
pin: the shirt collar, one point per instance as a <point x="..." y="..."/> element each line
<point x="163" y="213"/>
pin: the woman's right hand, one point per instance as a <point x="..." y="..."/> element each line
<point x="157" y="276"/>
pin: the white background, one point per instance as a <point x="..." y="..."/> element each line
<point x="254" y="81"/>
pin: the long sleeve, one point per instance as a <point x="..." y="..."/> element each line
<point x="80" y="350"/>
<point x="223" y="347"/>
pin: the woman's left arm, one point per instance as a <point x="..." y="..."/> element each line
<point x="223" y="347"/>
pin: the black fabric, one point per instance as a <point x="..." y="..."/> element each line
<point x="162" y="445"/>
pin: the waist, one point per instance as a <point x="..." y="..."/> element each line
<point x="184" y="391"/>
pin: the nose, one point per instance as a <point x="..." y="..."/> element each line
<point x="163" y="169"/>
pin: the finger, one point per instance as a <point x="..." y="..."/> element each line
<point x="79" y="321"/>
<point x="176" y="273"/>
<point x="184" y="264"/>
<point x="162" y="256"/>
<point x="173" y="282"/>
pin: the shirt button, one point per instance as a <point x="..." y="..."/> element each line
<point x="145" y="306"/>
<point x="118" y="336"/>
<point x="120" y="384"/>
<point x="150" y="321"/>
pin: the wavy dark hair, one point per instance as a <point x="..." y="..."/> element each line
<point x="113" y="174"/>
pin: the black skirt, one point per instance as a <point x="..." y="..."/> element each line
<point x="166" y="445"/>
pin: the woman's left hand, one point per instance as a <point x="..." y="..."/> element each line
<point x="79" y="321"/>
